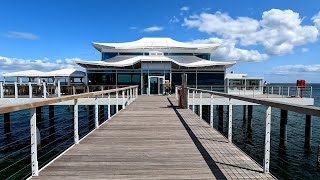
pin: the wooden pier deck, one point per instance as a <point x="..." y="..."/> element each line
<point x="152" y="140"/>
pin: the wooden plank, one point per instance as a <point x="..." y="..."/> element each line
<point x="147" y="140"/>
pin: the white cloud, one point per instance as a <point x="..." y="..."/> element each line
<point x="174" y="19"/>
<point x="316" y="20"/>
<point x="297" y="68"/>
<point x="229" y="52"/>
<point x="20" y="35"/>
<point x="133" y="28"/>
<point x="185" y="8"/>
<point x="278" y="31"/>
<point x="15" y="64"/>
<point x="153" y="29"/>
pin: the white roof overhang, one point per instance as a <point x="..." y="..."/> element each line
<point x="57" y="73"/>
<point x="185" y="61"/>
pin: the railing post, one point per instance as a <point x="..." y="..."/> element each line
<point x="200" y="110"/>
<point x="123" y="101"/>
<point x="176" y="91"/>
<point x="96" y="112"/>
<point x="16" y="90"/>
<point x="44" y="90"/>
<point x="193" y="102"/>
<point x="109" y="109"/>
<point x="310" y="91"/>
<point x="75" y="120"/>
<point x="73" y="90"/>
<point x="283" y="128"/>
<point x="288" y="91"/>
<point x="128" y="96"/>
<point x="117" y="101"/>
<point x="271" y="89"/>
<point x="34" y="151"/>
<point x="30" y="90"/>
<point x="1" y="90"/>
<point x="137" y="92"/>
<point x="211" y="111"/>
<point x="230" y="122"/>
<point x="266" y="160"/>
<point x="59" y="88"/>
<point x="307" y="133"/>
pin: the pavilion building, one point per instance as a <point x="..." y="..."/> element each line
<point x="149" y="62"/>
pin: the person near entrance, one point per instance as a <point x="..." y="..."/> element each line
<point x="167" y="87"/>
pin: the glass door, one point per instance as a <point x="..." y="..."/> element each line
<point x="155" y="85"/>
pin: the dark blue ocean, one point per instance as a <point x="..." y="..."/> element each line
<point x="292" y="162"/>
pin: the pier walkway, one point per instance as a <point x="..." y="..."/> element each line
<point x="151" y="139"/>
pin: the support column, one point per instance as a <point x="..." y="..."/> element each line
<point x="220" y="122"/>
<point x="184" y="92"/>
<point x="30" y="90"/>
<point x="230" y="121"/>
<point x="59" y="88"/>
<point x="123" y="100"/>
<point x="96" y="113"/>
<point x="211" y="111"/>
<point x="1" y="90"/>
<point x="44" y="90"/>
<point x="307" y="133"/>
<point x="75" y="121"/>
<point x="200" y="106"/>
<point x="109" y="109"/>
<point x="34" y="150"/>
<point x="266" y="160"/>
<point x="244" y="112"/>
<point x="6" y="118"/>
<point x="16" y="92"/>
<point x="283" y="128"/>
<point x="51" y="118"/>
<point x="39" y="113"/>
<point x="250" y="108"/>
<point x="193" y="101"/>
<point x="117" y="100"/>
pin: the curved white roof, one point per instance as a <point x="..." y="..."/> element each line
<point x="154" y="43"/>
<point x="57" y="73"/>
<point x="185" y="61"/>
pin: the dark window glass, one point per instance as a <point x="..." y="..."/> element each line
<point x="102" y="78"/>
<point x="191" y="78"/>
<point x="131" y="54"/>
<point x="203" y="56"/>
<point x="211" y="79"/>
<point x="108" y="55"/>
<point x="129" y="79"/>
<point x="176" y="80"/>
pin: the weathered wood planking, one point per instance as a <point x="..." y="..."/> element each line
<point x="147" y="140"/>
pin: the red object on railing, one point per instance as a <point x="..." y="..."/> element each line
<point x="301" y="84"/>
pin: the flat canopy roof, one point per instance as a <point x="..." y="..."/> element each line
<point x="154" y="43"/>
<point x="57" y="73"/>
<point x="184" y="61"/>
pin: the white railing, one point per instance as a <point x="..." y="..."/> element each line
<point x="307" y="110"/>
<point x="19" y="168"/>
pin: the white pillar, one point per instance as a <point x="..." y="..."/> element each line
<point x="1" y="90"/>
<point x="16" y="90"/>
<point x="200" y="109"/>
<point x="266" y="160"/>
<point x="96" y="113"/>
<point x="109" y="106"/>
<point x="123" y="101"/>
<point x="128" y="97"/>
<point x="30" y="90"/>
<point x="59" y="88"/>
<point x="34" y="151"/>
<point x="211" y="111"/>
<point x="44" y="90"/>
<point x="137" y="92"/>
<point x="130" y="94"/>
<point x="102" y="89"/>
<point x="117" y="101"/>
<point x="230" y="122"/>
<point x="177" y="93"/>
<point x="75" y="120"/>
<point x="193" y="103"/>
<point x="73" y="90"/>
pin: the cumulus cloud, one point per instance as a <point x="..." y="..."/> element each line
<point x="316" y="20"/>
<point x="153" y="29"/>
<point x="229" y="52"/>
<point x="185" y="8"/>
<point x="20" y="35"/>
<point x="16" y="64"/>
<point x="278" y="31"/>
<point x="297" y="68"/>
<point x="174" y="19"/>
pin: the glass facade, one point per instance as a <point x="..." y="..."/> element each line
<point x="108" y="55"/>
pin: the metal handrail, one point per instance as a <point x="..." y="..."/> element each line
<point x="18" y="107"/>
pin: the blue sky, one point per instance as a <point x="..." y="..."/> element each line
<point x="275" y="39"/>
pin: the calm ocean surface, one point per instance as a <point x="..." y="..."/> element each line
<point x="290" y="163"/>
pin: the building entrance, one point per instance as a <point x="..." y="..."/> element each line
<point x="156" y="85"/>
